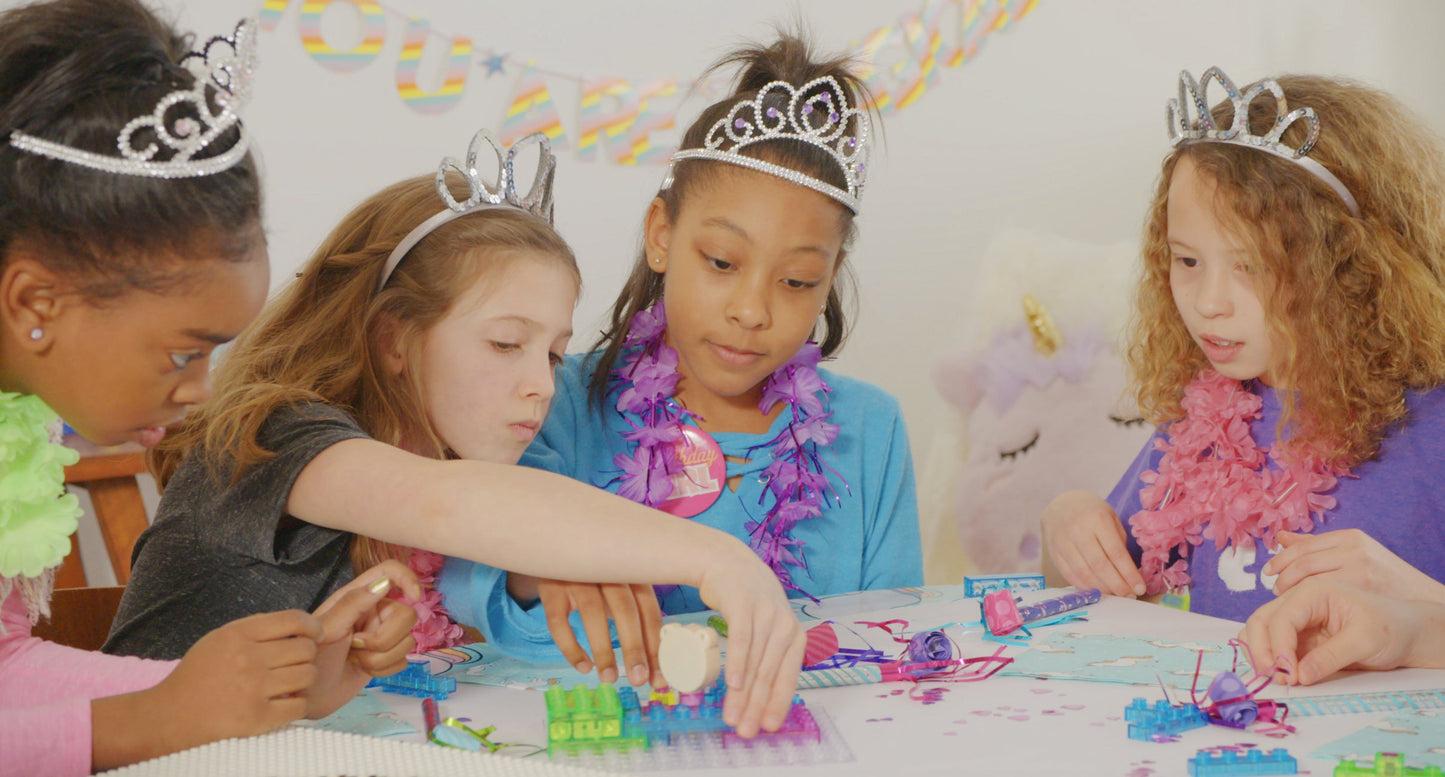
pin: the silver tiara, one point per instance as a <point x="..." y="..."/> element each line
<point x="484" y="195"/>
<point x="816" y="113"/>
<point x="1201" y="128"/>
<point x="225" y="66"/>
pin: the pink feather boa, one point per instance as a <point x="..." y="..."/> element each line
<point x="434" y="627"/>
<point x="1213" y="483"/>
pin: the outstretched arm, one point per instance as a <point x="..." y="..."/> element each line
<point x="547" y="525"/>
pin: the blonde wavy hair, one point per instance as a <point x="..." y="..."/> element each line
<point x="1356" y="306"/>
<point x="320" y="339"/>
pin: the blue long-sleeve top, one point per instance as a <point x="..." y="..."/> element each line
<point x="869" y="540"/>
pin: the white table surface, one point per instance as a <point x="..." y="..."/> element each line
<point x="1003" y="725"/>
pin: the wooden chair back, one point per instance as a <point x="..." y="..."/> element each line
<point x="80" y="617"/>
<point x="119" y="509"/>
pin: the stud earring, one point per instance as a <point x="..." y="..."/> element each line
<point x="36" y="333"/>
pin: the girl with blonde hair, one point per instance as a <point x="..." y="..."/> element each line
<point x="377" y="408"/>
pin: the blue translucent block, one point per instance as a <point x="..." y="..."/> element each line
<point x="1162" y="719"/>
<point x="1207" y="763"/>
<point x="416" y="680"/>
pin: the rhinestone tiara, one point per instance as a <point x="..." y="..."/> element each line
<point x="225" y="66"/>
<point x="1184" y="130"/>
<point x="816" y="113"/>
<point x="483" y="195"/>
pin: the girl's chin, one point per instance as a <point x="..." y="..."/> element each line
<point x="150" y="436"/>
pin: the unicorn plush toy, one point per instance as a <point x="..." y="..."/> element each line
<point x="1038" y="387"/>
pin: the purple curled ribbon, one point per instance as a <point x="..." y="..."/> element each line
<point x="1231" y="700"/>
<point x="930" y="646"/>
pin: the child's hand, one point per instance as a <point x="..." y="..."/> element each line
<point x="364" y="635"/>
<point x="765" y="640"/>
<point x="1087" y="544"/>
<point x="632" y="607"/>
<point x="1349" y="556"/>
<point x="1322" y="626"/>
<point x="246" y="677"/>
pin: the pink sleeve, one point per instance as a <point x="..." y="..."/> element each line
<point x="46" y="691"/>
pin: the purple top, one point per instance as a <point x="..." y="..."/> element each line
<point x="1397" y="498"/>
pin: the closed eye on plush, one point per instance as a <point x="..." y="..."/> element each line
<point x="1127" y="422"/>
<point x="1016" y="452"/>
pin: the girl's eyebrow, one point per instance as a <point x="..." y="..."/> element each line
<point x="722" y="223"/>
<point x="210" y="337"/>
<point x="528" y="323"/>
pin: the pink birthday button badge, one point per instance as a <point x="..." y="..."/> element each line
<point x="700" y="482"/>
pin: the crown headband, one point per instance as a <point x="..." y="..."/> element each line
<point x="226" y="66"/>
<point x="1183" y="130"/>
<point x="484" y="196"/>
<point x="817" y="114"/>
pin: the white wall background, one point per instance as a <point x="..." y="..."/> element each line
<point x="1056" y="126"/>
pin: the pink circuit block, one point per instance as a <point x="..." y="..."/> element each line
<point x="798" y="727"/>
<point x="1001" y="612"/>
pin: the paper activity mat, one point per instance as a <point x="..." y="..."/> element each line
<point x="1418" y="736"/>
<point x="1128" y="660"/>
<point x="365" y="714"/>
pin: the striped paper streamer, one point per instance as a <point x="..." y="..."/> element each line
<point x="862" y="674"/>
<point x="1307" y="706"/>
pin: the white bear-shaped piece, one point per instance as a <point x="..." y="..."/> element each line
<point x="688" y="656"/>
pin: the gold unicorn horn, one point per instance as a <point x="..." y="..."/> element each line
<point x="1047" y="338"/>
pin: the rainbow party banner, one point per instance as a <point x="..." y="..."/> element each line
<point x="623" y="120"/>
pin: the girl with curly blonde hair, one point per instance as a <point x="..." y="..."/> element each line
<point x="1289" y="333"/>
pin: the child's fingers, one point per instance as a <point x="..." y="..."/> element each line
<point x="592" y="607"/>
<point x="1098" y="567"/>
<point x="383" y="663"/>
<point x="1331" y="656"/>
<point x="1306" y="566"/>
<point x="557" y="606"/>
<point x="339" y="616"/>
<point x="1289" y="538"/>
<point x="651" y="612"/>
<point x="767" y="703"/>
<point x="281" y="653"/>
<point x="738" y="663"/>
<point x="281" y="710"/>
<point x="1284" y="624"/>
<point x="623" y="608"/>
<point x="1118" y="551"/>
<point x="785" y="684"/>
<point x="1255" y="636"/>
<point x="398" y="574"/>
<point x="288" y="680"/>
<point x="1292" y="546"/>
<point x="268" y="626"/>
<point x="390" y="624"/>
<point x="1070" y="564"/>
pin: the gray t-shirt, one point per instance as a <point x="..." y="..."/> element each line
<point x="218" y="552"/>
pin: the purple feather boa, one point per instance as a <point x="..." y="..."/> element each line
<point x="797" y="477"/>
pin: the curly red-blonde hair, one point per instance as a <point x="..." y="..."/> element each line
<point x="1356" y="306"/>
